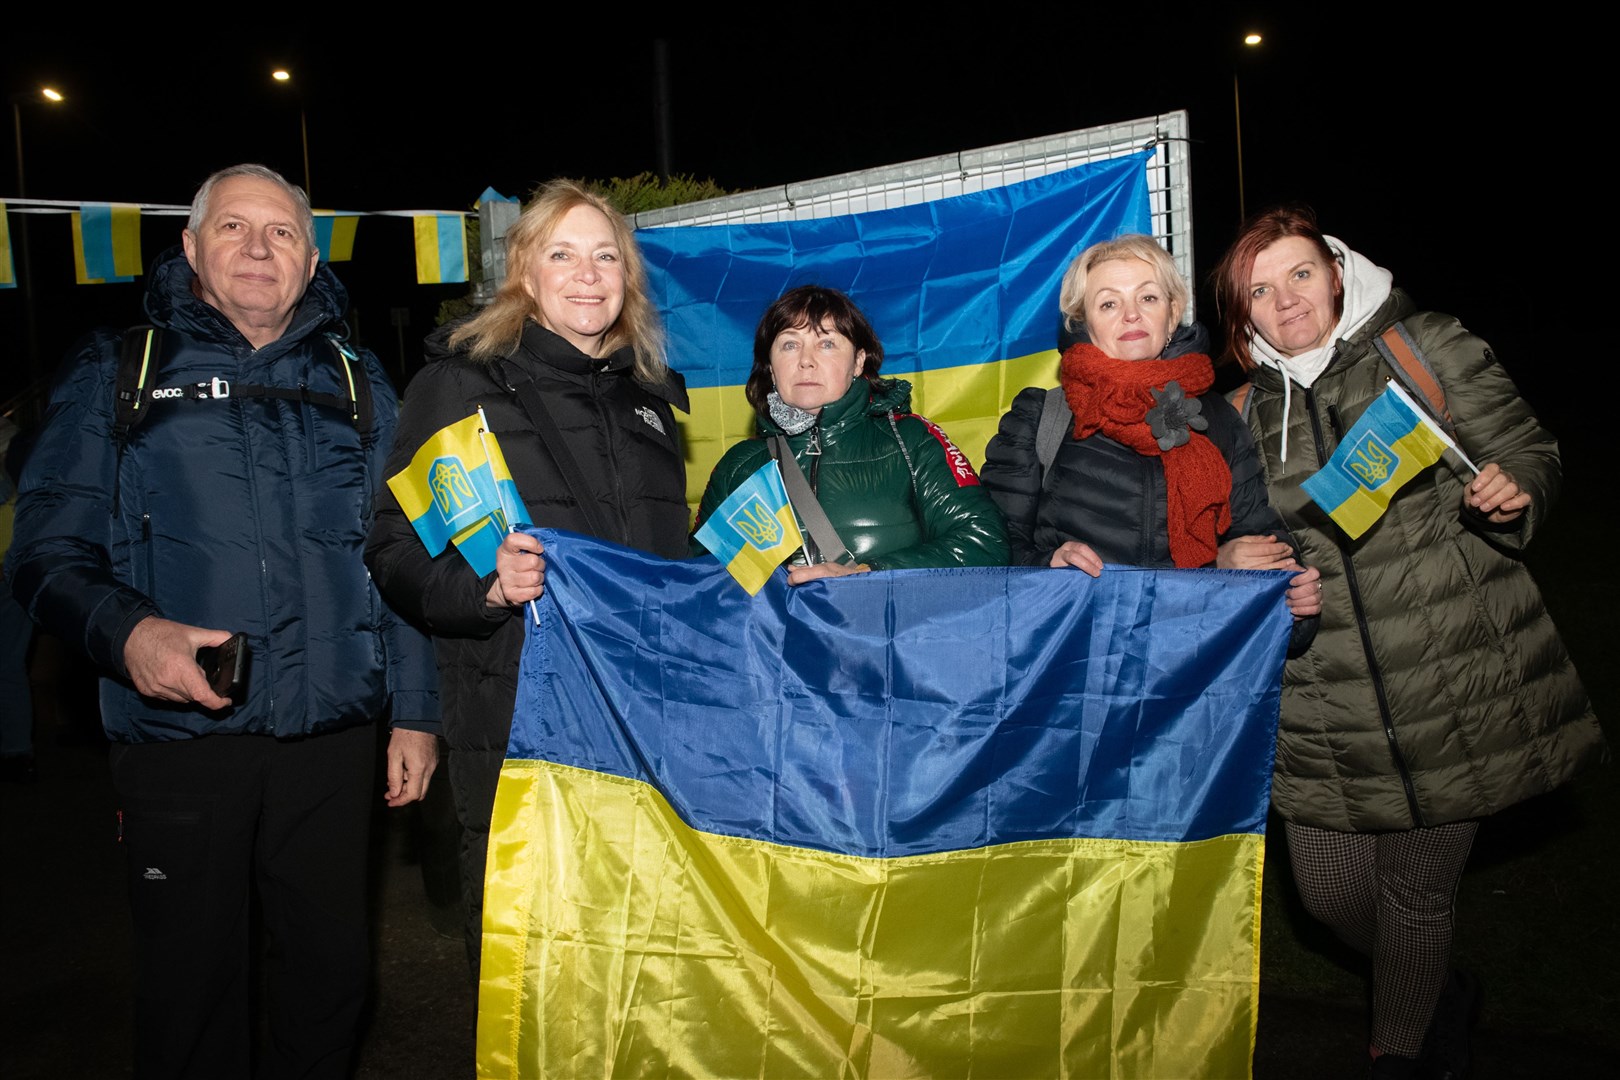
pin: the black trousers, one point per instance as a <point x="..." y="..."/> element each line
<point x="205" y="820"/>
<point x="474" y="776"/>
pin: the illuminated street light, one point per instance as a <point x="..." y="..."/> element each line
<point x="1251" y="40"/>
<point x="283" y="76"/>
<point x="25" y="265"/>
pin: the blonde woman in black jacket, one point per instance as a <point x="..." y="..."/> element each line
<point x="572" y="327"/>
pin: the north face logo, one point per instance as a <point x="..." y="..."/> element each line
<point x="651" y="419"/>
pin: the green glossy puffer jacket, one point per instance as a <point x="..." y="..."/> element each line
<point x="891" y="516"/>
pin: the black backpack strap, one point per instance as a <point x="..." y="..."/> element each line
<point x="138" y="356"/>
<point x="534" y="407"/>
<point x="354" y="373"/>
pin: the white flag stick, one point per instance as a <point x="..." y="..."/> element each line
<point x="500" y="493"/>
<point x="1428" y="421"/>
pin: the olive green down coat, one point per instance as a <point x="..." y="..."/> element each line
<point x="898" y="492"/>
<point x="1437" y="689"/>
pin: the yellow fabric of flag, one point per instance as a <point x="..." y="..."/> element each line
<point x="441" y="248"/>
<point x="1072" y="957"/>
<point x="8" y="273"/>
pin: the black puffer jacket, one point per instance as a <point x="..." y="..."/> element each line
<point x="622" y="434"/>
<point x="1105" y="494"/>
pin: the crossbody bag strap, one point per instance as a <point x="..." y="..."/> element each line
<point x="534" y="407"/>
<point x="1055" y="425"/>
<point x="809" y="509"/>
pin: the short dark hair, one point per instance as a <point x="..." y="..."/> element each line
<point x="815" y="307"/>
<point x="1232" y="299"/>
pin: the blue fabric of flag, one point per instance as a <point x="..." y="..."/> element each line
<point x="965" y="280"/>
<point x="95" y="220"/>
<point x="910" y="712"/>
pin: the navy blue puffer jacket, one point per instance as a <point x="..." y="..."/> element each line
<point x="234" y="513"/>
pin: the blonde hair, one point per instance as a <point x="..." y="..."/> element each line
<point x="1072" y="296"/>
<point x="496" y="331"/>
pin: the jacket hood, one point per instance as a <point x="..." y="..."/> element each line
<point x="171" y="303"/>
<point x="1187" y="338"/>
<point x="1397" y="307"/>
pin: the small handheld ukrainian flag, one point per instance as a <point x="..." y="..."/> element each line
<point x="458" y="490"/>
<point x="1392" y="442"/>
<point x="753" y="530"/>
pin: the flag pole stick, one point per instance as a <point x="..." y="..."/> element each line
<point x="1429" y="422"/>
<point x="500" y="493"/>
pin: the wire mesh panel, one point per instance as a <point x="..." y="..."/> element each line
<point x="967" y="171"/>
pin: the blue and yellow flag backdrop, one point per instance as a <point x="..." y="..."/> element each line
<point x="961" y="291"/>
<point x="1388" y="445"/>
<point x="1005" y="822"/>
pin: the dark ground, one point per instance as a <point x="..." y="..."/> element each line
<point x="1535" y="915"/>
<point x="64" y="990"/>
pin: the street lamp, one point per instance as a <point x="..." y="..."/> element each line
<point x="25" y="271"/>
<point x="283" y="76"/>
<point x="43" y="94"/>
<point x="1250" y="40"/>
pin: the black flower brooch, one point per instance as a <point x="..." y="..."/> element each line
<point x="1174" y="416"/>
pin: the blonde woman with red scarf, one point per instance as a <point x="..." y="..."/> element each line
<point x="1150" y="467"/>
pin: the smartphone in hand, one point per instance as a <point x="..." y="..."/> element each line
<point x="225" y="665"/>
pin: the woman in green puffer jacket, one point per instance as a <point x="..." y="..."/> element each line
<point x="897" y="491"/>
<point x="1437" y="691"/>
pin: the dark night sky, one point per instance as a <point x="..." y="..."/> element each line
<point x="1433" y="159"/>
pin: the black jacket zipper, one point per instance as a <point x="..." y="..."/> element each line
<point x="1361" y="617"/>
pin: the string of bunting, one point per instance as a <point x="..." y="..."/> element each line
<point x="107" y="237"/>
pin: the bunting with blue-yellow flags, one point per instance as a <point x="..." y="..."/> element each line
<point x="8" y="271"/>
<point x="458" y="490"/>
<point x="441" y="248"/>
<point x="998" y="822"/>
<point x="106" y="243"/>
<point x="963" y="293"/>
<point x="334" y="235"/>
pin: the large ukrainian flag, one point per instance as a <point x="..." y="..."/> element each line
<point x="963" y="293"/>
<point x="988" y="822"/>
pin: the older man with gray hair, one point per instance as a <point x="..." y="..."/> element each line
<point x="192" y="517"/>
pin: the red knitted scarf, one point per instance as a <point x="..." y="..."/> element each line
<point x="1113" y="397"/>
